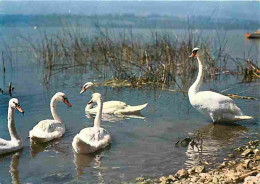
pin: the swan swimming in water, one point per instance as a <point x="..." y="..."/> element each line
<point x="16" y="142"/>
<point x="93" y="138"/>
<point x="49" y="129"/>
<point x="218" y="107"/>
<point x="111" y="107"/>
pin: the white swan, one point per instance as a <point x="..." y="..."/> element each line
<point x="49" y="129"/>
<point x="218" y="107"/>
<point x="15" y="143"/>
<point x="93" y="138"/>
<point x="111" y="107"/>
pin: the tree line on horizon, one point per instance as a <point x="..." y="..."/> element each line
<point x="128" y="20"/>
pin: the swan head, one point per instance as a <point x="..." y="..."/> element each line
<point x="62" y="98"/>
<point x="86" y="86"/>
<point x="14" y="103"/>
<point x="195" y="52"/>
<point x="96" y="97"/>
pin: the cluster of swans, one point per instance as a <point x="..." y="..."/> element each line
<point x="218" y="107"/>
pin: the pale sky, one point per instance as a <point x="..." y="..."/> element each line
<point x="131" y="0"/>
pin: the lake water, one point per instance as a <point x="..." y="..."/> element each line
<point x="141" y="146"/>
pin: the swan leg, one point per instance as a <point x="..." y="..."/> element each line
<point x="214" y="119"/>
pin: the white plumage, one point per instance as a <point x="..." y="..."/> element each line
<point x="111" y="107"/>
<point x="116" y="107"/>
<point x="93" y="138"/>
<point x="218" y="107"/>
<point x="49" y="129"/>
<point x="7" y="146"/>
<point x="90" y="140"/>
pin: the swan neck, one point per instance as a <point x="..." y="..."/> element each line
<point x="11" y="124"/>
<point x="53" y="109"/>
<point x="97" y="120"/>
<point x="196" y="85"/>
<point x="90" y="106"/>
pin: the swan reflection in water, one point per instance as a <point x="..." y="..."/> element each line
<point x="14" y="167"/>
<point x="93" y="160"/>
<point x="14" y="164"/>
<point x="116" y="117"/>
<point x="48" y="146"/>
<point x="209" y="140"/>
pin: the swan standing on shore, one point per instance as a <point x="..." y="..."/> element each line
<point x="111" y="107"/>
<point x="49" y="129"/>
<point x="218" y="107"/>
<point x="16" y="142"/>
<point x="93" y="138"/>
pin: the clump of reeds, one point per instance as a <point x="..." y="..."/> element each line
<point x="163" y="59"/>
<point x="251" y="72"/>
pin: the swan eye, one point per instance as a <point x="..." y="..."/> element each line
<point x="16" y="104"/>
<point x="90" y="102"/>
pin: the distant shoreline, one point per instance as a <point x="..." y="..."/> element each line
<point x="127" y="21"/>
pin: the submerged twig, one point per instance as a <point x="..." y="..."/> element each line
<point x="235" y="95"/>
<point x="10" y="89"/>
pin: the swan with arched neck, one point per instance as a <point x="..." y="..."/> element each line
<point x="218" y="107"/>
<point x="50" y="129"/>
<point x="93" y="138"/>
<point x="16" y="143"/>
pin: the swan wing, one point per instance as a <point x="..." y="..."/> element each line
<point x="104" y="111"/>
<point x="3" y="142"/>
<point x="95" y="137"/>
<point x="9" y="146"/>
<point x="47" y="130"/>
<point x="90" y="140"/>
<point x="109" y="107"/>
<point x="212" y="101"/>
<point x="114" y="104"/>
<point x="131" y="109"/>
<point x="118" y="108"/>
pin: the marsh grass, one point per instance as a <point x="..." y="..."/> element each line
<point x="157" y="58"/>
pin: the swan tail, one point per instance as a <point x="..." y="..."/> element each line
<point x="132" y="109"/>
<point x="243" y="117"/>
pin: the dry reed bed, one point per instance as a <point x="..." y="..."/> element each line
<point x="162" y="59"/>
